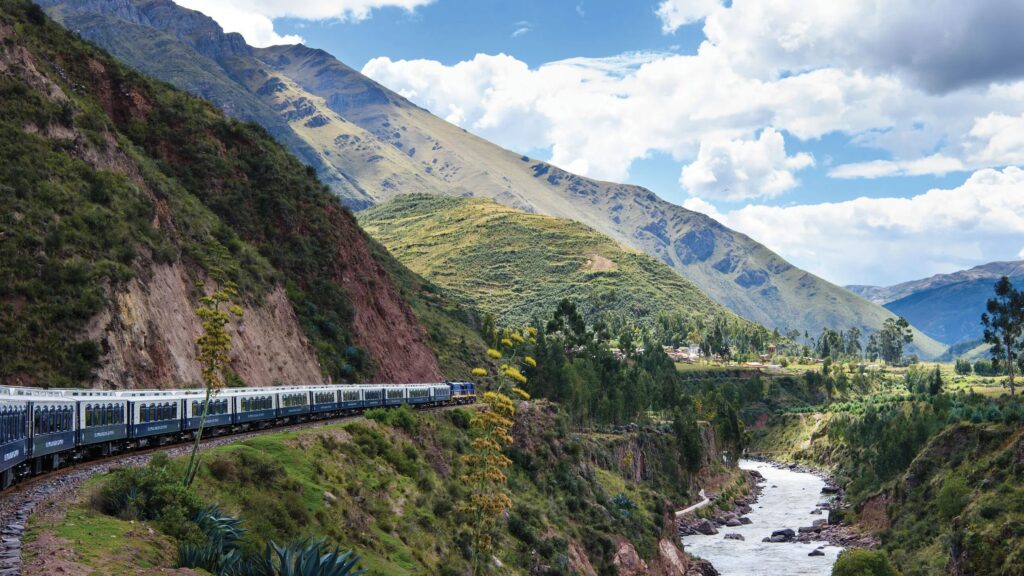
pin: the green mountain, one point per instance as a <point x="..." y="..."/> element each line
<point x="123" y="199"/>
<point x="385" y="146"/>
<point x="947" y="307"/>
<point x="518" y="266"/>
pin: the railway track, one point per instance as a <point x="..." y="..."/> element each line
<point x="18" y="502"/>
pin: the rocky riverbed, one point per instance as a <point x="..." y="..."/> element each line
<point x="781" y="529"/>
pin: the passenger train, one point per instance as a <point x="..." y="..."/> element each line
<point x="44" y="429"/>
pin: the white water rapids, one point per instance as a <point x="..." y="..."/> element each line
<point x="786" y="502"/>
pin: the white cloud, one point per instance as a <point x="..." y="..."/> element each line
<point x="743" y="169"/>
<point x="936" y="164"/>
<point x="882" y="240"/>
<point x="522" y="27"/>
<point x="677" y="13"/>
<point x="1021" y="254"/>
<point x="254" y="19"/>
<point x="997" y="139"/>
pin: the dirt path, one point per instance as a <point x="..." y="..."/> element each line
<point x="704" y="502"/>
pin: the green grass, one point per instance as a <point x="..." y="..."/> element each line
<point x="104" y="545"/>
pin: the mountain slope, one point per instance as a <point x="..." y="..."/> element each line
<point x="387" y="147"/>
<point x="947" y="307"/>
<point x="518" y="266"/>
<point x="122" y="199"/>
<point x="189" y="50"/>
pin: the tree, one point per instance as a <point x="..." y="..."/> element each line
<point x="1004" y="322"/>
<point x="935" y="382"/>
<point x="894" y="335"/>
<point x="853" y="342"/>
<point x="963" y="367"/>
<point x="216" y="311"/>
<point x="873" y="349"/>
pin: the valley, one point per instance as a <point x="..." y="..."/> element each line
<point x="261" y="315"/>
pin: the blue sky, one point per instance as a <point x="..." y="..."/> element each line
<point x="866" y="143"/>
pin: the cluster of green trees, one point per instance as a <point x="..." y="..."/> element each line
<point x="886" y="344"/>
<point x="837" y="344"/>
<point x="720" y="336"/>
<point x="882" y="438"/>
<point x="576" y="367"/>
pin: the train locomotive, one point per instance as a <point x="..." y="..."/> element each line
<point x="44" y="429"/>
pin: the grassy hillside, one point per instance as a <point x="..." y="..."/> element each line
<point x="384" y="146"/>
<point x="518" y="266"/>
<point x="110" y="177"/>
<point x="390" y="490"/>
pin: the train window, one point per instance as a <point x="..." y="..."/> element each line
<point x="350" y="395"/>
<point x="88" y="415"/>
<point x="394" y="393"/>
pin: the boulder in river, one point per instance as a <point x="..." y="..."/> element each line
<point x="745" y="520"/>
<point x="816" y="553"/>
<point x="734" y="537"/>
<point x="785" y="532"/>
<point x="733" y="522"/>
<point x="705" y="527"/>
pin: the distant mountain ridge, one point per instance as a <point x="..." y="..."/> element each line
<point x="947" y="307"/>
<point x="370" y="145"/>
<point x="992" y="270"/>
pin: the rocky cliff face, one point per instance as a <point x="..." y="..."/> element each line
<point x="142" y="197"/>
<point x="149" y="331"/>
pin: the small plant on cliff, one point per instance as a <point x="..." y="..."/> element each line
<point x="216" y="311"/>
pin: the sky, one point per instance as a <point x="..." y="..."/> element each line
<point x="868" y="142"/>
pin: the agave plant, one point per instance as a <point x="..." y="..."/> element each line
<point x="221" y="553"/>
<point x="308" y="557"/>
<point x="220" y="529"/>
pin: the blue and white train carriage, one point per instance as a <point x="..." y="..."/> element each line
<point x="42" y="429"/>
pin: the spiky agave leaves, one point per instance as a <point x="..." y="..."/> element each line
<point x="308" y="557"/>
<point x="221" y="553"/>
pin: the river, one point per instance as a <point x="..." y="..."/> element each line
<point x="786" y="502"/>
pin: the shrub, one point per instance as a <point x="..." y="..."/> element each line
<point x="152" y="493"/>
<point x="402" y="417"/>
<point x="860" y="562"/>
<point x="953" y="496"/>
